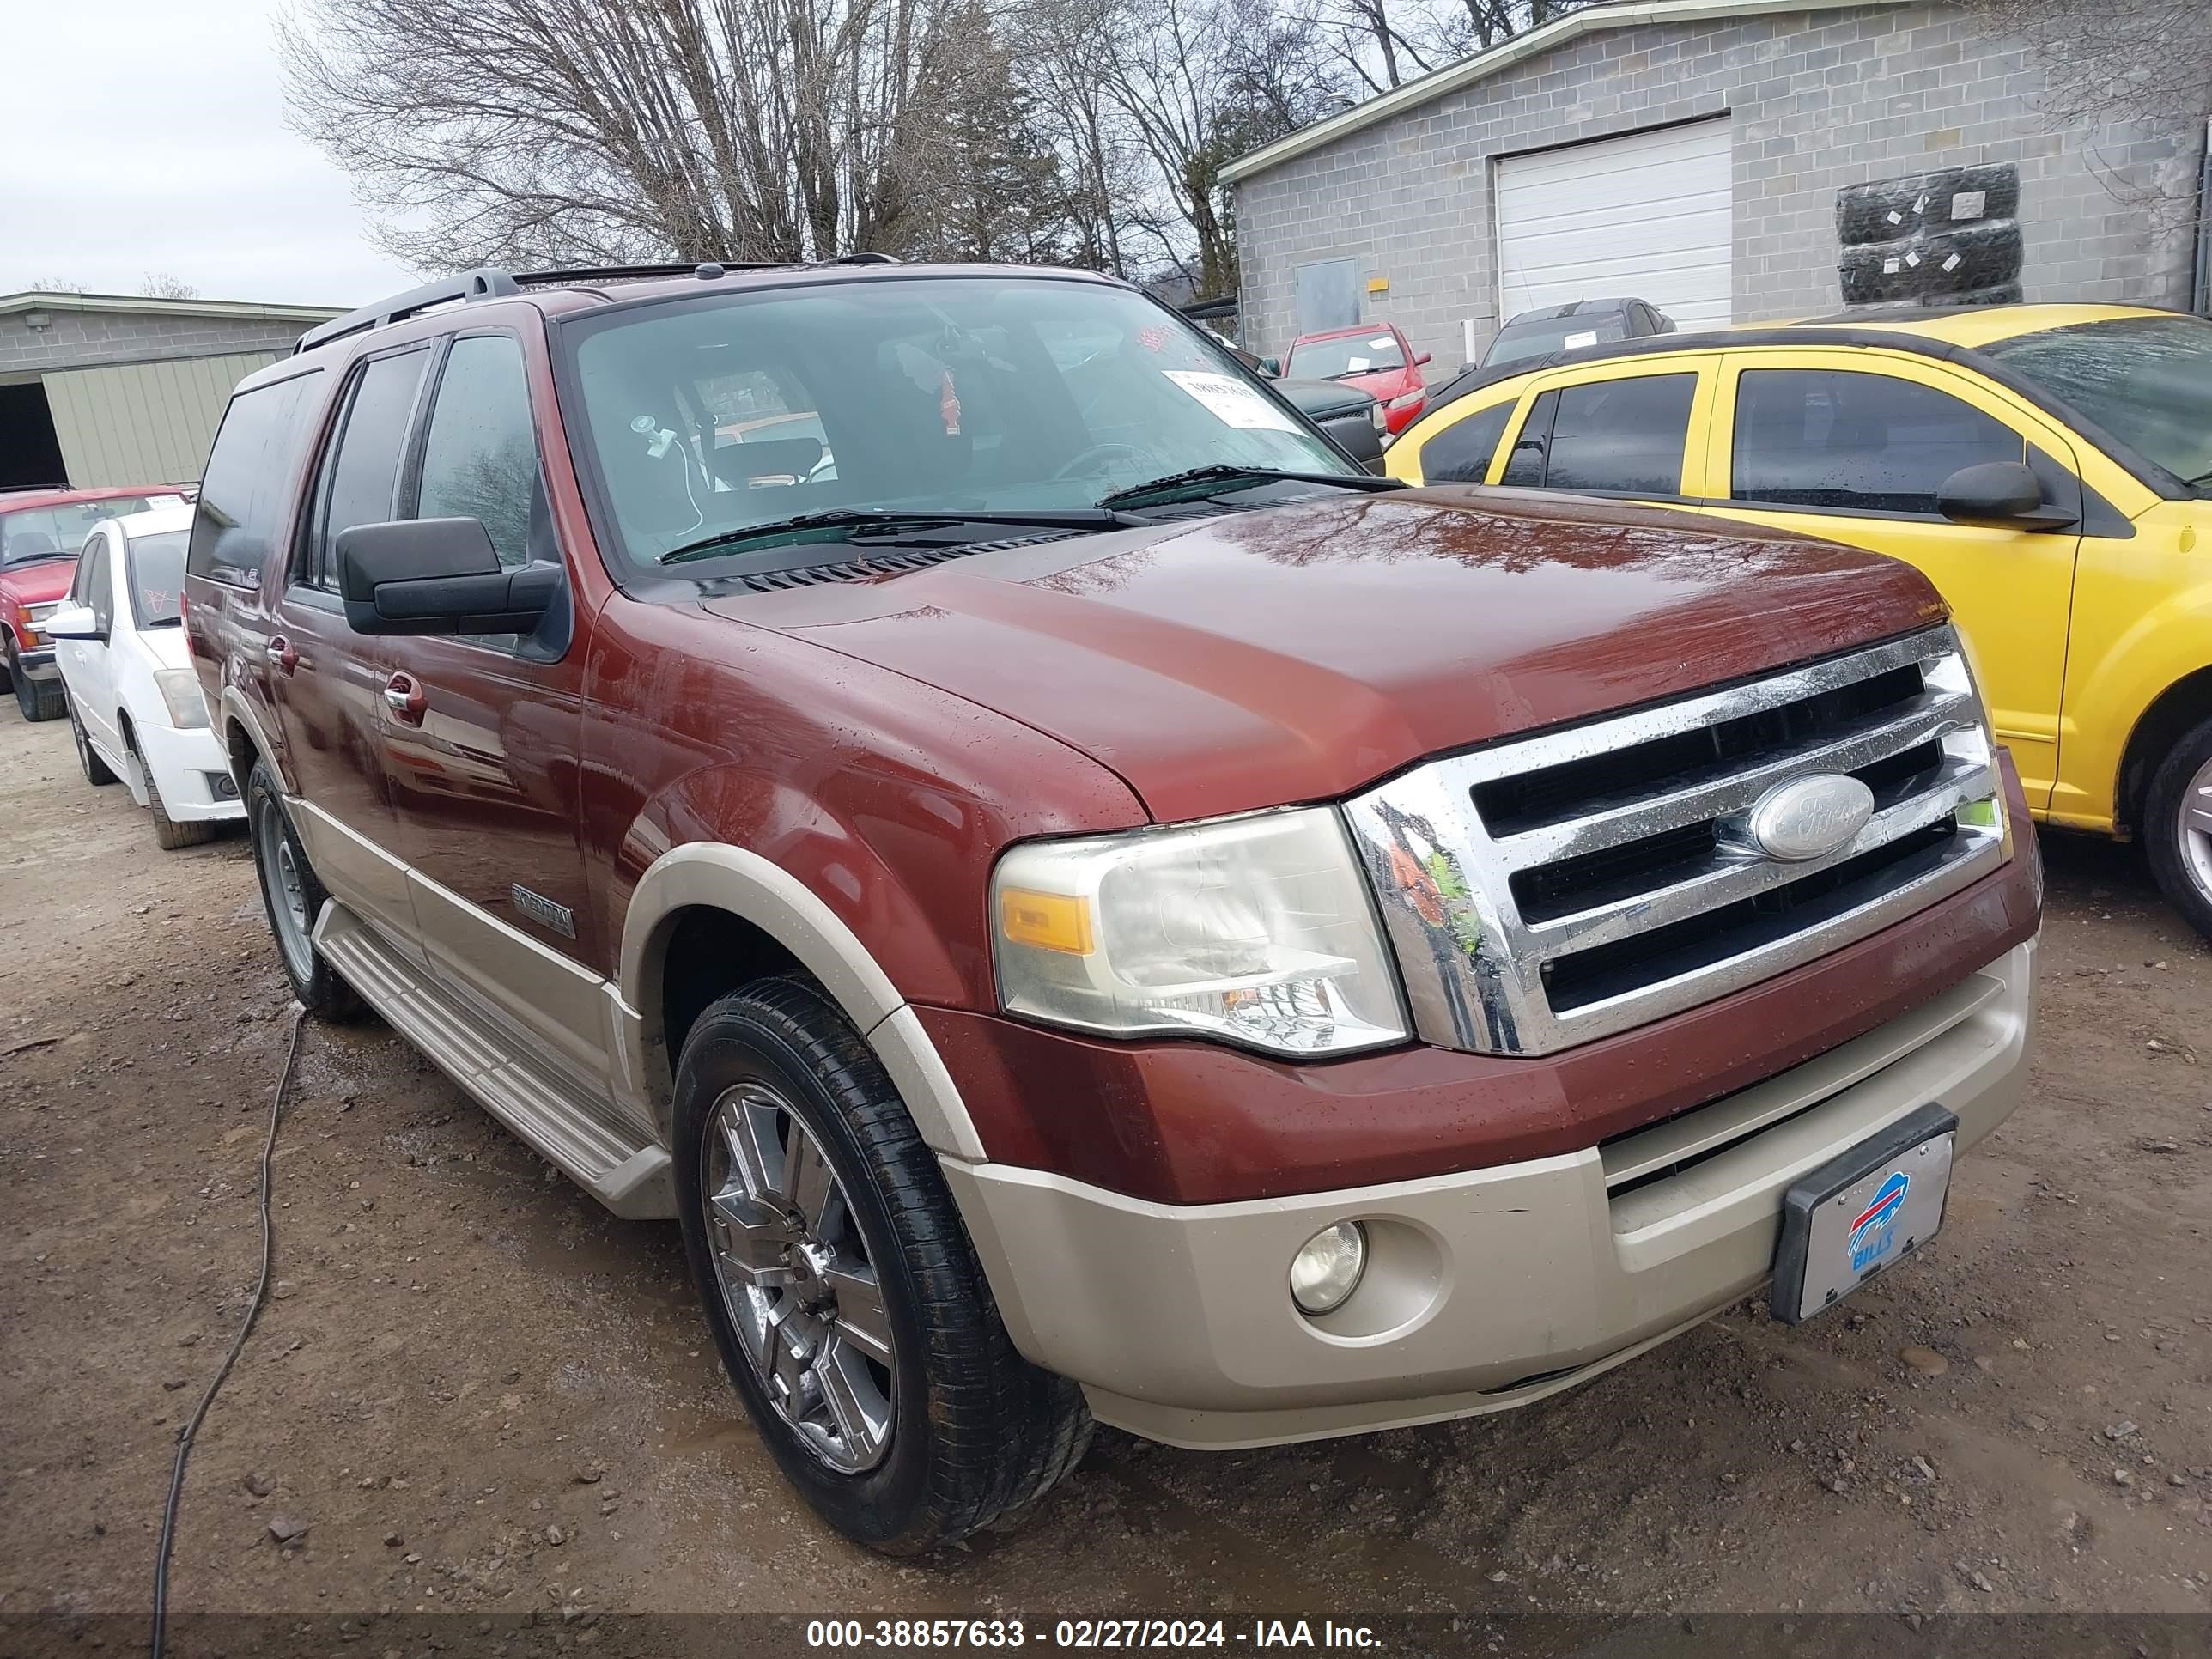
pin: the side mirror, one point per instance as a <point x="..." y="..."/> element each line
<point x="73" y="621"/>
<point x="1422" y="361"/>
<point x="2000" y="492"/>
<point x="437" y="576"/>
<point x="1272" y="368"/>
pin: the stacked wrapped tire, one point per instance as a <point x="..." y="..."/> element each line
<point x="1949" y="237"/>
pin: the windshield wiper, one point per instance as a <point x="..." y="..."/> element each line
<point x="1201" y="482"/>
<point x="891" y="521"/>
<point x="2199" y="481"/>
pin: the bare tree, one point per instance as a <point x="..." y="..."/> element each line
<point x="2112" y="65"/>
<point x="56" y="285"/>
<point x="161" y="285"/>
<point x="612" y="130"/>
<point x="1385" y="43"/>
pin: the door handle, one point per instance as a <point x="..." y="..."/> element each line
<point x="404" y="697"/>
<point x="282" y="654"/>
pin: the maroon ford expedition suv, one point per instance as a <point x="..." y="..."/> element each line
<point x="1086" y="905"/>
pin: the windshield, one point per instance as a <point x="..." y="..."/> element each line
<point x="1517" y="341"/>
<point x="918" y="394"/>
<point x="2147" y="380"/>
<point x="1345" y="354"/>
<point x="157" y="577"/>
<point x="58" y="531"/>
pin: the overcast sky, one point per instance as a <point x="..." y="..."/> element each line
<point x="148" y="135"/>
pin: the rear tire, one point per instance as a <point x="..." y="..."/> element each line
<point x="951" y="1428"/>
<point x="2177" y="827"/>
<point x="37" y="700"/>
<point x="96" y="772"/>
<point x="294" y="899"/>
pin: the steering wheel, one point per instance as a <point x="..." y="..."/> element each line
<point x="1098" y="458"/>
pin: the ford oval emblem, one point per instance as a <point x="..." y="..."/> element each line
<point x="1810" y="818"/>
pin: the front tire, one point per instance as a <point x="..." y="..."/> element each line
<point x="852" y="1314"/>
<point x="96" y="771"/>
<point x="2177" y="827"/>
<point x="35" y="700"/>
<point x="168" y="834"/>
<point x="294" y="899"/>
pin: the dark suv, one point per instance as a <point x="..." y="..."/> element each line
<point x="1085" y="904"/>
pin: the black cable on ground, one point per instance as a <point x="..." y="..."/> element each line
<point x="237" y="1346"/>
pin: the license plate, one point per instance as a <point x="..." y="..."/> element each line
<point x="1862" y="1212"/>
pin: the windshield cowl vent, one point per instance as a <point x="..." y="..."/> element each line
<point x="872" y="566"/>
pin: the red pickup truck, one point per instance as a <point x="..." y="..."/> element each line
<point x="1086" y="905"/>
<point x="41" y="532"/>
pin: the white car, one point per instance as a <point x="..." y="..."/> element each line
<point x="134" y="703"/>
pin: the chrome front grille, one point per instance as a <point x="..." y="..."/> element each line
<point x="1542" y="892"/>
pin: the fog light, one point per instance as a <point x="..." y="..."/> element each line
<point x="1328" y="1266"/>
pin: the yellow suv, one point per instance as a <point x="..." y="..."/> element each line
<point x="2049" y="467"/>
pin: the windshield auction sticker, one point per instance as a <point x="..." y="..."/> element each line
<point x="1231" y="402"/>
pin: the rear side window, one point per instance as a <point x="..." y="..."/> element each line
<point x="242" y="495"/>
<point x="361" y="472"/>
<point x="100" y="591"/>
<point x="1461" y="453"/>
<point x="1621" y="437"/>
<point x="1868" y="443"/>
<point x="480" y="457"/>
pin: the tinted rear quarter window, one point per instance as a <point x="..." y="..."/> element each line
<point x="1867" y="443"/>
<point x="1461" y="453"/>
<point x="242" y="493"/>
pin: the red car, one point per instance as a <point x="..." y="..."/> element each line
<point x="41" y="532"/>
<point x="1376" y="358"/>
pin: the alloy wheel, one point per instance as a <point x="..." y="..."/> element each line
<point x="287" y="894"/>
<point x="2193" y="828"/>
<point x="795" y="1276"/>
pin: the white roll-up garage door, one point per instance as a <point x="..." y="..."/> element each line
<point x="1644" y="215"/>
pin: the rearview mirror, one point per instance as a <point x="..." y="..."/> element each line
<point x="73" y="621"/>
<point x="2000" y="492"/>
<point x="437" y="576"/>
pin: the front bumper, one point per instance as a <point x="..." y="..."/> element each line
<point x="191" y="770"/>
<point x="1485" y="1288"/>
<point x="37" y="663"/>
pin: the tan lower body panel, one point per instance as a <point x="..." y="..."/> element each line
<point x="1484" y="1288"/>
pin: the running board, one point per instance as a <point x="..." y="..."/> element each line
<point x="631" y="1177"/>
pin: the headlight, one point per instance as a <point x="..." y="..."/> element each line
<point x="1374" y="413"/>
<point x="181" y="692"/>
<point x="1257" y="930"/>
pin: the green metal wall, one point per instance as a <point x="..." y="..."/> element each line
<point x="147" y="423"/>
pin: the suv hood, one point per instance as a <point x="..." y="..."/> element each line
<point x="1294" y="654"/>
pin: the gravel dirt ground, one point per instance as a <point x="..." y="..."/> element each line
<point x="473" y="1391"/>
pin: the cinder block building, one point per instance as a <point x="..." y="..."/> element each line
<point x="1687" y="153"/>
<point x="114" y="389"/>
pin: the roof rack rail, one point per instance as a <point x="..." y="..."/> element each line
<point x="633" y="273"/>
<point x="483" y="283"/>
<point x="867" y="257"/>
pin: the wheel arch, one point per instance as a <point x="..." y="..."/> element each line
<point x="770" y="922"/>
<point x="2175" y="710"/>
<point x="246" y="740"/>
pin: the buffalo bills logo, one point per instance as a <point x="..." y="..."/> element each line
<point x="1872" y="1235"/>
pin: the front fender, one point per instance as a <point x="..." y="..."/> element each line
<point x="2113" y="685"/>
<point x="716" y="875"/>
